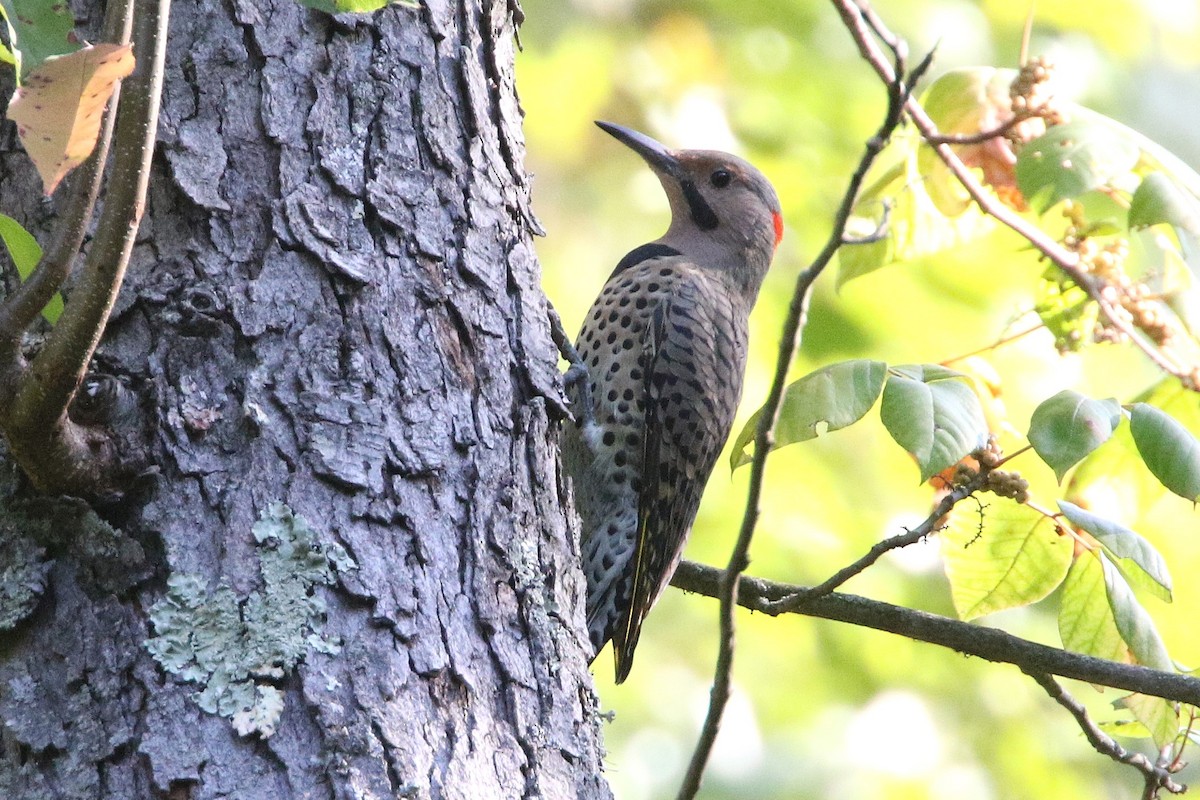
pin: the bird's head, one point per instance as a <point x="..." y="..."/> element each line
<point x="725" y="214"/>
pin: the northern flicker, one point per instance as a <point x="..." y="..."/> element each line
<point x="665" y="349"/>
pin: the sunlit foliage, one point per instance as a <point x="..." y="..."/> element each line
<point x="824" y="710"/>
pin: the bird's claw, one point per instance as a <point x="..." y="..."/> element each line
<point x="577" y="375"/>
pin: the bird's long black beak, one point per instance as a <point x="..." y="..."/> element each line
<point x="660" y="158"/>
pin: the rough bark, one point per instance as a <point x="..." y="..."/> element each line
<point x="334" y="304"/>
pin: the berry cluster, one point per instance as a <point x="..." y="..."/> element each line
<point x="1033" y="101"/>
<point x="1131" y="300"/>
<point x="1007" y="484"/>
<point x="1003" y="483"/>
<point x="1032" y="92"/>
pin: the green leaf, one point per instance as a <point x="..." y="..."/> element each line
<point x="1120" y="542"/>
<point x="927" y="208"/>
<point x="1105" y="212"/>
<point x="23" y="249"/>
<point x="926" y="373"/>
<point x="1128" y="728"/>
<point x="25" y="253"/>
<point x="828" y="399"/>
<point x="39" y="29"/>
<point x="1134" y="623"/>
<point x="1066" y="310"/>
<point x="1160" y="717"/>
<point x="1114" y="476"/>
<point x="1171" y="453"/>
<point x="1153" y="156"/>
<point x="915" y="228"/>
<point x="350" y="6"/>
<point x="1141" y="581"/>
<point x="1071" y="159"/>
<point x="1160" y="199"/>
<point x="963" y="101"/>
<point x="1016" y="559"/>
<point x="932" y="415"/>
<point x="1068" y="426"/>
<point x="1101" y="617"/>
<point x="1085" y="620"/>
<point x="1088" y="623"/>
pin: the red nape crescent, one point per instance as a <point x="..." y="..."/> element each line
<point x="778" y="219"/>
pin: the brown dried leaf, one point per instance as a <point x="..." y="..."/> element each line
<point x="59" y="107"/>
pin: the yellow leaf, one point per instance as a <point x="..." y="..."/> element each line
<point x="59" y="107"/>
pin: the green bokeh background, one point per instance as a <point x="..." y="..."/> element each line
<point x="822" y="710"/>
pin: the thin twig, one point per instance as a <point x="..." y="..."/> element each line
<point x="57" y="454"/>
<point x="970" y="639"/>
<point x="1026" y="35"/>
<point x="881" y="230"/>
<point x="795" y="601"/>
<point x="876" y="24"/>
<point x="1156" y="777"/>
<point x="57" y="370"/>
<point x="764" y="439"/>
<point x="861" y="20"/>
<point x="982" y="136"/>
<point x="1010" y="456"/>
<point x="1012" y="337"/>
<point x="1185" y="735"/>
<point x="23" y="305"/>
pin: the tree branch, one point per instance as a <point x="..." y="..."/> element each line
<point x="765" y="438"/>
<point x="1156" y="777"/>
<point x="982" y="136"/>
<point x="22" y="306"/>
<point x="861" y="20"/>
<point x="61" y="364"/>
<point x="731" y="588"/>
<point x="796" y="601"/>
<point x="57" y="454"/>
<point x="990" y="644"/>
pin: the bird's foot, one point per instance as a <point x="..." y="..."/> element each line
<point x="577" y="376"/>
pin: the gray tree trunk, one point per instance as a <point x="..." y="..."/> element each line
<point x="334" y="305"/>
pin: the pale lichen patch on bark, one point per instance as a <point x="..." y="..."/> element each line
<point x="234" y="647"/>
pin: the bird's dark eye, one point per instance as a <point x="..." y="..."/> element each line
<point x="720" y="178"/>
